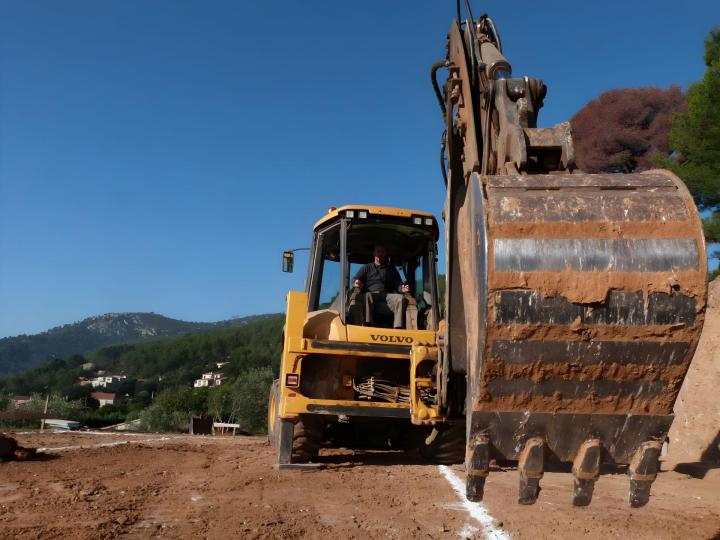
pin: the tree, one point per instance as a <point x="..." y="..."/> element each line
<point x="250" y="401"/>
<point x="58" y="406"/>
<point x="712" y="48"/>
<point x="695" y="139"/>
<point x="169" y="366"/>
<point x="695" y="133"/>
<point x="220" y="404"/>
<point x="173" y="409"/>
<point x="623" y="129"/>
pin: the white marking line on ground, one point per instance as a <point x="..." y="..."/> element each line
<point x="476" y="510"/>
<point x="100" y="445"/>
<point x="468" y="531"/>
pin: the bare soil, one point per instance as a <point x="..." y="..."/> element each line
<point x="695" y="433"/>
<point x="88" y="485"/>
<point x="107" y="485"/>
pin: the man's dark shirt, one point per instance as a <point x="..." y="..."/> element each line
<point x="382" y="278"/>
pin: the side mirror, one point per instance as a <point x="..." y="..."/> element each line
<point x="288" y="260"/>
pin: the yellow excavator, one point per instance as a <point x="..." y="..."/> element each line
<point x="349" y="374"/>
<point x="573" y="302"/>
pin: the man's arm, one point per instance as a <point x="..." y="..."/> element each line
<point x="359" y="279"/>
<point x="394" y="281"/>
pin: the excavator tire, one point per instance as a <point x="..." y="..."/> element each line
<point x="447" y="447"/>
<point x="307" y="437"/>
<point x="273" y="418"/>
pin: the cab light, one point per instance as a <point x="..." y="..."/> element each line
<point x="350" y="213"/>
<point x="292" y="379"/>
<point x="417" y="220"/>
<point x="428" y="221"/>
<point x="362" y="214"/>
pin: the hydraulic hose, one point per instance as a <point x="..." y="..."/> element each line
<point x="443" y="147"/>
<point x="433" y="78"/>
<point x="496" y="35"/>
<point x="443" y="109"/>
<point x="467" y="6"/>
<point x="374" y="389"/>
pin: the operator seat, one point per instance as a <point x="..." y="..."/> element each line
<point x="364" y="311"/>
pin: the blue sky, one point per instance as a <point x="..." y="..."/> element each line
<point x="159" y="156"/>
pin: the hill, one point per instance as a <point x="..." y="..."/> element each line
<point x="159" y="364"/>
<point x="24" y="352"/>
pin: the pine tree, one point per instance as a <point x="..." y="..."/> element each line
<point x="695" y="140"/>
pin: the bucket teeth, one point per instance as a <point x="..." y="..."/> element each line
<point x="477" y="468"/>
<point x="643" y="471"/>
<point x="586" y="469"/>
<point x="530" y="467"/>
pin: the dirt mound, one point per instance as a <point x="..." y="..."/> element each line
<point x="695" y="433"/>
<point x="11" y="450"/>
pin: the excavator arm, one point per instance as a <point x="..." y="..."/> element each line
<point x="574" y="301"/>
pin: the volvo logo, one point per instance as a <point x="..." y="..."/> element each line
<point x="391" y="339"/>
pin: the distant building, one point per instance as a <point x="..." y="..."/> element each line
<point x="103" y="381"/>
<point x="88" y="366"/>
<point x="105" y="398"/>
<point x="209" y="379"/>
<point x="19" y="401"/>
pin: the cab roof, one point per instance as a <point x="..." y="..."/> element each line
<point x="335" y="213"/>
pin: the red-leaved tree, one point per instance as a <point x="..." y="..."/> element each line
<point x="623" y="129"/>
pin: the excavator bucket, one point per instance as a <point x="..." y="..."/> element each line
<point x="590" y="298"/>
<point x="574" y="301"/>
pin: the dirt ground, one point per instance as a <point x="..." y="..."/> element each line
<point x="140" y="486"/>
<point x="695" y="433"/>
<point x="107" y="485"/>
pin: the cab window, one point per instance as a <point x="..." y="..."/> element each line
<point x="327" y="271"/>
<point x="409" y="250"/>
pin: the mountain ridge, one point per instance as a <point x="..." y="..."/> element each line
<point x="25" y="351"/>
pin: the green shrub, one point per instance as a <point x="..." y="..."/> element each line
<point x="58" y="406"/>
<point x="251" y="397"/>
<point x="173" y="409"/>
<point x="104" y="416"/>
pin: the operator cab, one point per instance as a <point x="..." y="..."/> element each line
<point x="343" y="242"/>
